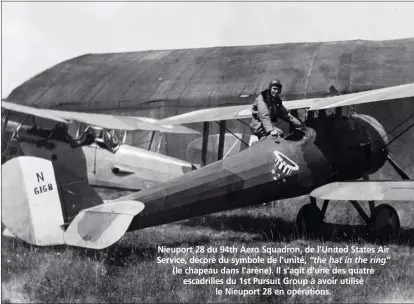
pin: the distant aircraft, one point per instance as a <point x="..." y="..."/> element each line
<point x="98" y="154"/>
<point x="231" y="144"/>
<point x="324" y="159"/>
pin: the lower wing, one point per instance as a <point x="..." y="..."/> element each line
<point x="367" y="191"/>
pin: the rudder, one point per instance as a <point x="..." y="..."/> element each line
<point x="44" y="204"/>
<point x="31" y="207"/>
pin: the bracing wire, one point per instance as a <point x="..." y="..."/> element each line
<point x="399" y="125"/>
<point x="244" y="122"/>
<point x="234" y="134"/>
<point x="388" y="132"/>
<point x="399" y="135"/>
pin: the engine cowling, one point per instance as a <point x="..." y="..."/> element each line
<point x="377" y="139"/>
<point x="353" y="145"/>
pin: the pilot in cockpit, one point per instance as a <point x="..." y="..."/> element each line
<point x="61" y="132"/>
<point x="266" y="109"/>
<point x="105" y="137"/>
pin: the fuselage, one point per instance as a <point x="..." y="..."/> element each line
<point x="269" y="171"/>
<point x="128" y="168"/>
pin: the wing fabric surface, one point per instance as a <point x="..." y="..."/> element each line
<point x="212" y="114"/>
<point x="244" y="111"/>
<point x="389" y="93"/>
<point x="169" y="125"/>
<point x="367" y="191"/>
<point x="36" y="211"/>
<point x="102" y="120"/>
<point x="31" y="111"/>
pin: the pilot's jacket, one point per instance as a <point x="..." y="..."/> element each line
<point x="265" y="112"/>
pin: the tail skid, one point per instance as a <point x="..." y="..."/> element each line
<point x="34" y="209"/>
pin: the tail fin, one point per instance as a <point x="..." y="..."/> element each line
<point x="36" y="207"/>
<point x="31" y="207"/>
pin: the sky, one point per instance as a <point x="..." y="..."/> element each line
<point x="39" y="35"/>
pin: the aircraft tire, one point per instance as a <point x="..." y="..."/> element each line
<point x="384" y="223"/>
<point x="309" y="220"/>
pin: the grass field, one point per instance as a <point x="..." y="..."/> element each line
<point x="128" y="271"/>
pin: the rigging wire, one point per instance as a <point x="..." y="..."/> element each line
<point x="137" y="141"/>
<point x="399" y="125"/>
<point x="233" y="134"/>
<point x="393" y="129"/>
<point x="402" y="140"/>
<point x="399" y="135"/>
<point x="244" y="122"/>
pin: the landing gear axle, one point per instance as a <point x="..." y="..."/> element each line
<point x="383" y="223"/>
<point x="309" y="219"/>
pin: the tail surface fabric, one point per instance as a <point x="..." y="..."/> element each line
<point x="35" y="207"/>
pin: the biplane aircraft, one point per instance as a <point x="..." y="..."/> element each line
<point x="326" y="158"/>
<point x="97" y="154"/>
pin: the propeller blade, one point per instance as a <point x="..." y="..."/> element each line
<point x="398" y="168"/>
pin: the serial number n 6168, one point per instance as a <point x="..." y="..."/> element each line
<point x="43" y="189"/>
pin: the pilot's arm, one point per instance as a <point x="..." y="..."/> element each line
<point x="285" y="115"/>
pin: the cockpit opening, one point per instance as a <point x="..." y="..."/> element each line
<point x="85" y="135"/>
<point x="296" y="135"/>
<point x="104" y="138"/>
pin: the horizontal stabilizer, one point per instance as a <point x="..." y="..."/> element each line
<point x="101" y="226"/>
<point x="367" y="191"/>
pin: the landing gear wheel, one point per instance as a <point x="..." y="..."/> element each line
<point x="309" y="219"/>
<point x="384" y="223"/>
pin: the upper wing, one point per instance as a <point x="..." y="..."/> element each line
<point x="367" y="191"/>
<point x="212" y="114"/>
<point x="101" y="120"/>
<point x="32" y="111"/>
<point x="389" y="93"/>
<point x="244" y="111"/>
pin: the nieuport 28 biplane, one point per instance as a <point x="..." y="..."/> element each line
<point x="97" y="154"/>
<point x="326" y="158"/>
